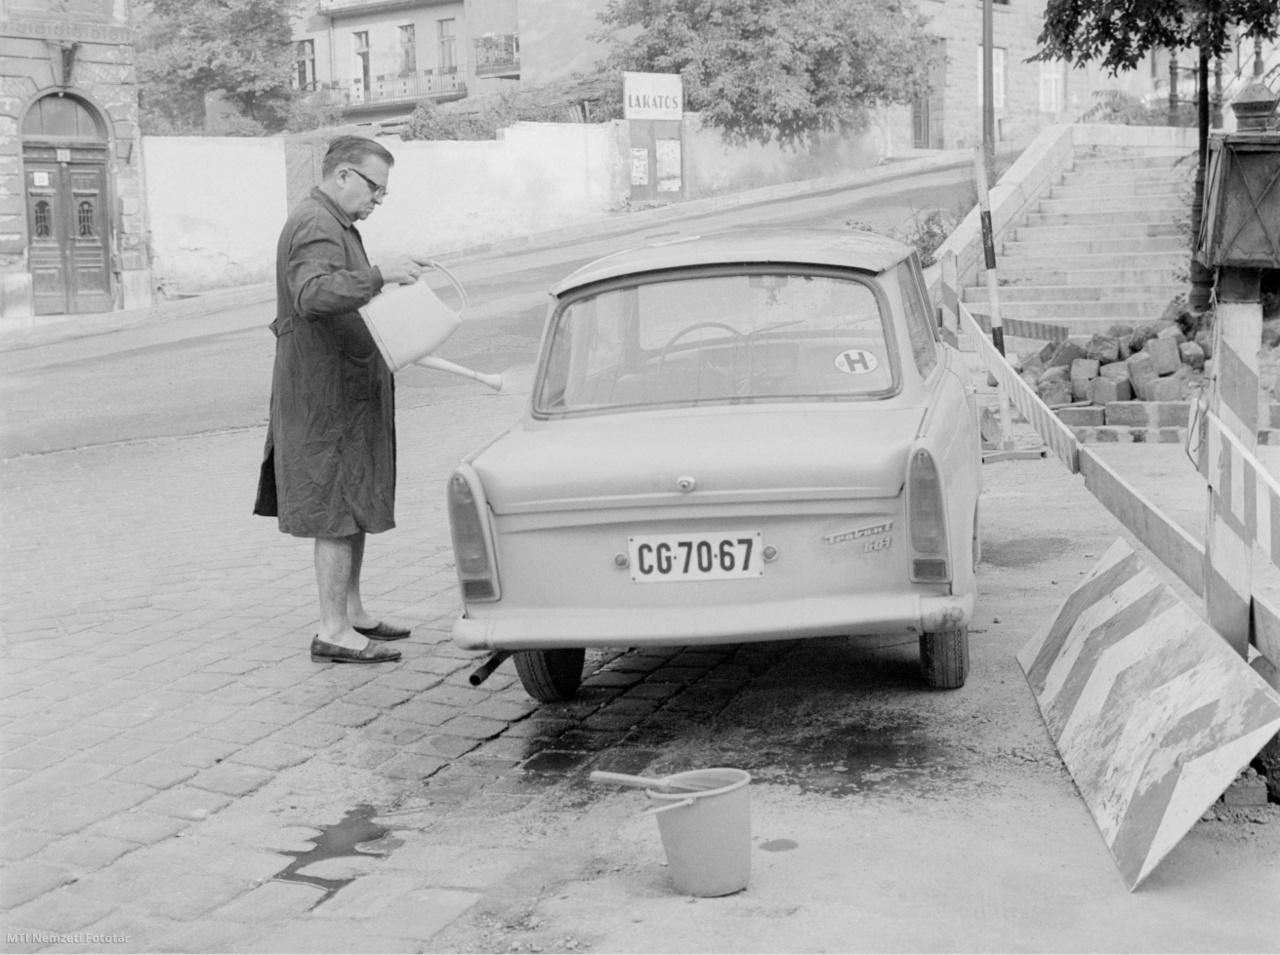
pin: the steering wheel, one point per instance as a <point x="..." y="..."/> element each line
<point x="662" y="355"/>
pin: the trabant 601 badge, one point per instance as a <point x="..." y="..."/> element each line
<point x="855" y="361"/>
<point x="871" y="531"/>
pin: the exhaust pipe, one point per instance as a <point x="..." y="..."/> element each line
<point x="485" y="670"/>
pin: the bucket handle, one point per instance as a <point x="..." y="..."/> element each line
<point x="671" y="805"/>
<point x="457" y="286"/>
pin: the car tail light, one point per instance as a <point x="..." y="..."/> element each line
<point x="927" y="516"/>
<point x="471" y="548"/>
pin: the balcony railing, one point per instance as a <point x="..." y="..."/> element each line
<point x="347" y="8"/>
<point x="400" y="87"/>
<point x="498" y="53"/>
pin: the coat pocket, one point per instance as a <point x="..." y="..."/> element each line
<point x="361" y="376"/>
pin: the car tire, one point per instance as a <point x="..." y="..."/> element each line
<point x="551" y="676"/>
<point x="944" y="658"/>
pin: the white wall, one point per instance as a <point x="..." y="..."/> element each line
<point x="449" y="195"/>
<point x="712" y="168"/>
<point x="215" y="208"/>
<point x="217" y="204"/>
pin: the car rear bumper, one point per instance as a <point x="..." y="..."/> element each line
<point x="739" y="623"/>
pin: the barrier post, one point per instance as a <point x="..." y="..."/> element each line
<point x="949" y="267"/>
<point x="1233" y="398"/>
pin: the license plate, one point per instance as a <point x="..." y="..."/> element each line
<point x="665" y="558"/>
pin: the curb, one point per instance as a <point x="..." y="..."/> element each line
<point x="1117" y="434"/>
<point x="622" y="221"/>
<point x="66" y="327"/>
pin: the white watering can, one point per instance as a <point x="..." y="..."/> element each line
<point x="409" y="322"/>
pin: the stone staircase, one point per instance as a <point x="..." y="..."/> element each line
<point x="1102" y="247"/>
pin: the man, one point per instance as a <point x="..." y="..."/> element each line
<point x="329" y="469"/>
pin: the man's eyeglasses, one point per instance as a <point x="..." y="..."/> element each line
<point x="378" y="190"/>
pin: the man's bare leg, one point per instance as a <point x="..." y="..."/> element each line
<point x="356" y="613"/>
<point x="334" y="567"/>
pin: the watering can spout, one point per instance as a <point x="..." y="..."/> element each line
<point x="440" y="364"/>
<point x="409" y="322"/>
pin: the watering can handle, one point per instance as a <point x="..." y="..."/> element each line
<point x="457" y="286"/>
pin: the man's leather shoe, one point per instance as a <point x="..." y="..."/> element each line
<point x="383" y="631"/>
<point x="322" y="651"/>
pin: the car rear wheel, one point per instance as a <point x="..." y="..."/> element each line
<point x="551" y="676"/>
<point x="944" y="658"/>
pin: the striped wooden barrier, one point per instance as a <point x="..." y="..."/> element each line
<point x="1233" y="401"/>
<point x="1245" y="513"/>
<point x="1244" y="497"/>
<point x="1047" y="424"/>
<point x="1153" y="713"/>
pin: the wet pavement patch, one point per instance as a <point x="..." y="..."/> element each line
<point x="856" y="759"/>
<point x="341" y="839"/>
<point x="1023" y="551"/>
<point x="779" y="845"/>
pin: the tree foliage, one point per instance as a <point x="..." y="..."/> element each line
<point x="242" y="49"/>
<point x="582" y="99"/>
<point x="1119" y="33"/>
<point x="790" y="70"/>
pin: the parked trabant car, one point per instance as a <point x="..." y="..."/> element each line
<point x="730" y="438"/>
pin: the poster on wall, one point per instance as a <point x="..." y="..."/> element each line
<point x="652" y="96"/>
<point x="668" y="156"/>
<point x="640" y="167"/>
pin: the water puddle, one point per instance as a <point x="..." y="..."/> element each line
<point x="336" y="841"/>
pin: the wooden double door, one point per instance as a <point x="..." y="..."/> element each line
<point x="68" y="225"/>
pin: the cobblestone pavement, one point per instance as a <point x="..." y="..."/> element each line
<point x="177" y="775"/>
<point x="169" y="747"/>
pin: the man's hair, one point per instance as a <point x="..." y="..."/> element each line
<point x="353" y="150"/>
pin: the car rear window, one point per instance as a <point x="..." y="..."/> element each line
<point x="924" y="346"/>
<point x="750" y="336"/>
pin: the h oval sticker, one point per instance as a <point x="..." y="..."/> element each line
<point x="855" y="361"/>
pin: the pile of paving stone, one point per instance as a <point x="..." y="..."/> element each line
<point x="1153" y="362"/>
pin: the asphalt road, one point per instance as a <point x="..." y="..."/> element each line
<point x="213" y="373"/>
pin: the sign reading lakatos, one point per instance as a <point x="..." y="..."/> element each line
<point x="652" y="96"/>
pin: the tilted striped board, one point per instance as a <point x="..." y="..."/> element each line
<point x="1018" y="328"/>
<point x="1153" y="713"/>
<point x="1047" y="424"/>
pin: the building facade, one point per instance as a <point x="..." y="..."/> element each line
<point x="72" y="222"/>
<point x="1028" y="96"/>
<point x="379" y="58"/>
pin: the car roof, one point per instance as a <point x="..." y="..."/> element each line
<point x="866" y="251"/>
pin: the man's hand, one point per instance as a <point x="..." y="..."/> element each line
<point x="403" y="270"/>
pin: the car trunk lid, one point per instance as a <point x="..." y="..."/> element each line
<point x="730" y="454"/>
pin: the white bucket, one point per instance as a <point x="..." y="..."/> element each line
<point x="706" y="833"/>
<point x="408" y="322"/>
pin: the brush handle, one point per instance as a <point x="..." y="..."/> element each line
<point x="647" y="782"/>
